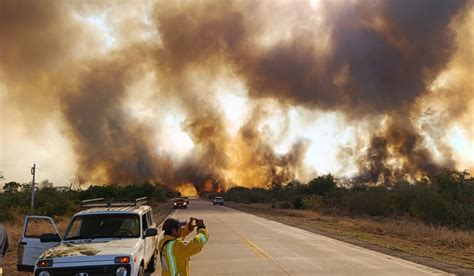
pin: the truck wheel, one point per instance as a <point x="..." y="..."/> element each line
<point x="141" y="271"/>
<point x="151" y="267"/>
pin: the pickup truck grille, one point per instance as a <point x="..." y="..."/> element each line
<point x="104" y="270"/>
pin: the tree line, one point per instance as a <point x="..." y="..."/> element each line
<point x="60" y="201"/>
<point x="447" y="199"/>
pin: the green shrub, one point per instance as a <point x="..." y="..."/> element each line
<point x="298" y="203"/>
<point x="431" y="208"/>
<point x="322" y="185"/>
<point x="246" y="195"/>
<point x="374" y="201"/>
<point x="313" y="202"/>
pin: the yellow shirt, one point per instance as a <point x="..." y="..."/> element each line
<point x="176" y="252"/>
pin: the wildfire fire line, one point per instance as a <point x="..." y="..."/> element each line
<point x="205" y="95"/>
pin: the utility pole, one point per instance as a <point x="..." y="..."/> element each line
<point x="33" y="171"/>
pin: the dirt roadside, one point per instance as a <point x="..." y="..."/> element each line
<point x="430" y="254"/>
<point x="14" y="229"/>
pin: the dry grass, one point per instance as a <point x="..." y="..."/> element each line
<point x="438" y="243"/>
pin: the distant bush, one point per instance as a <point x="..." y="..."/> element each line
<point x="322" y="185"/>
<point x="431" y="208"/>
<point x="52" y="202"/>
<point x="374" y="201"/>
<point x="133" y="191"/>
<point x="298" y="203"/>
<point x="246" y="195"/>
<point x="313" y="202"/>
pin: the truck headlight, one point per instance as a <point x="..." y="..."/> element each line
<point x="44" y="273"/>
<point x="121" y="271"/>
<point x="122" y="260"/>
<point x="45" y="263"/>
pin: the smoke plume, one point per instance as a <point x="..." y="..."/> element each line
<point x="138" y="89"/>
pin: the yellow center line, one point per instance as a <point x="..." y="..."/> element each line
<point x="258" y="251"/>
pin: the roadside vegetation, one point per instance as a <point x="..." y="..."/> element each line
<point x="60" y="201"/>
<point x="448" y="200"/>
<point x="430" y="219"/>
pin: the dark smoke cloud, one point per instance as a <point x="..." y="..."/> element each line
<point x="399" y="143"/>
<point x="109" y="144"/>
<point x="382" y="55"/>
<point x="270" y="165"/>
<point x="382" y="68"/>
<point x="32" y="36"/>
<point x="380" y="58"/>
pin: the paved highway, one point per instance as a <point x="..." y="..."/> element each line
<point x="244" y="244"/>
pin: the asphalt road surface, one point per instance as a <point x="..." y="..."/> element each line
<point x="244" y="244"/>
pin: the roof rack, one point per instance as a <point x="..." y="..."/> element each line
<point x="101" y="202"/>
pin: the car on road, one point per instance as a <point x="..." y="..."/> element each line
<point x="186" y="199"/>
<point x="218" y="200"/>
<point x="106" y="238"/>
<point x="180" y="203"/>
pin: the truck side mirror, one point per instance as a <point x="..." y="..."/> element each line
<point x="50" y="237"/>
<point x="150" y="232"/>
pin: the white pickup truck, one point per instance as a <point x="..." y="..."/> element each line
<point x="107" y="238"/>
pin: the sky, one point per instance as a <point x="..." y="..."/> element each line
<point x="237" y="92"/>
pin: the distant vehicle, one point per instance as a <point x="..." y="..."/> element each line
<point x="180" y="203"/>
<point x="218" y="200"/>
<point x="107" y="238"/>
<point x="186" y="198"/>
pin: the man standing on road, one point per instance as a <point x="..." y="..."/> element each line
<point x="3" y="245"/>
<point x="174" y="251"/>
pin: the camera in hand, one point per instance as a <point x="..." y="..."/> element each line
<point x="199" y="223"/>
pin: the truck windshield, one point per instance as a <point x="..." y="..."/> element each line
<point x="103" y="226"/>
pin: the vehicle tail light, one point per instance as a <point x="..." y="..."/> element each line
<point x="122" y="260"/>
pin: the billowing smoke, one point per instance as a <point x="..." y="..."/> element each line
<point x="398" y="154"/>
<point x="362" y="60"/>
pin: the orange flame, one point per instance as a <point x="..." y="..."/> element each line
<point x="187" y="189"/>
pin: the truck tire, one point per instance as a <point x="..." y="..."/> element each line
<point x="151" y="267"/>
<point x="141" y="271"/>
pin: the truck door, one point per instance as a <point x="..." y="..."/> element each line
<point x="150" y="242"/>
<point x="30" y="247"/>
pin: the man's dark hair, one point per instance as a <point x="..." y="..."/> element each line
<point x="170" y="224"/>
<point x="169" y="231"/>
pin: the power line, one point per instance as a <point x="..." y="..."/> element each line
<point x="21" y="166"/>
<point x="14" y="166"/>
